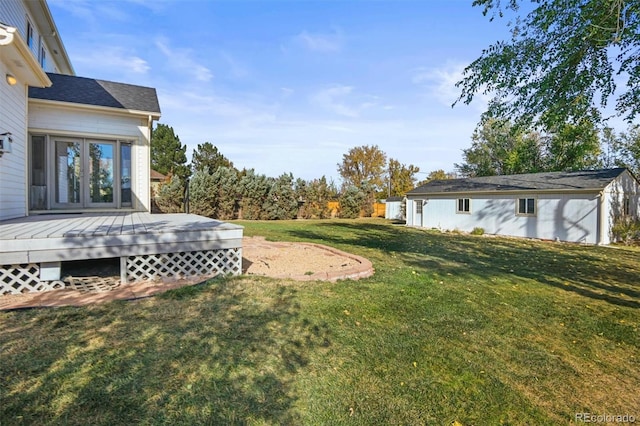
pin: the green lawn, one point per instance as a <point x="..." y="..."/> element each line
<point x="472" y="329"/>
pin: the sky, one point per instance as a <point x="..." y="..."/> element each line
<point x="291" y="86"/>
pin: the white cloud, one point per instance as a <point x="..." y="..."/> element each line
<point x="203" y="104"/>
<point x="181" y="59"/>
<point x="108" y="57"/>
<point x="440" y="84"/>
<point x="325" y="43"/>
<point x="333" y="99"/>
<point x="92" y="11"/>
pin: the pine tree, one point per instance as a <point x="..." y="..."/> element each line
<point x="167" y="153"/>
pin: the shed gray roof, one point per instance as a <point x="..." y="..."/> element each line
<point x="89" y="91"/>
<point x="563" y="181"/>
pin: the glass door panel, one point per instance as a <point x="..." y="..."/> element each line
<point x="67" y="173"/>
<point x="101" y="173"/>
<point x="125" y="174"/>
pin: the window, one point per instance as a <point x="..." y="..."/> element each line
<point x="79" y="173"/>
<point x="527" y="206"/>
<point x="42" y="56"/>
<point x="464" y="205"/>
<point x="29" y="35"/>
<point x="626" y="206"/>
<point x="418" y="206"/>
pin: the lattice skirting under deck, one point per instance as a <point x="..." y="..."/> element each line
<point x="25" y="278"/>
<point x="184" y="264"/>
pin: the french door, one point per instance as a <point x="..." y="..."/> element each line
<point x="84" y="173"/>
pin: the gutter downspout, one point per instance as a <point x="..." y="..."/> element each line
<point x="148" y="181"/>
<point x="601" y="218"/>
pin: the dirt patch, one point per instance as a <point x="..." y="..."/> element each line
<point x="99" y="281"/>
<point x="301" y="261"/>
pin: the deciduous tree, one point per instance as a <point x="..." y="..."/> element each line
<point x="436" y="175"/>
<point x="402" y="178"/>
<point x="364" y="164"/>
<point x="499" y="149"/>
<point x="565" y="61"/>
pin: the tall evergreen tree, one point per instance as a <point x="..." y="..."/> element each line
<point x="315" y="195"/>
<point x="167" y="153"/>
<point x="202" y="200"/>
<point x="170" y="196"/>
<point x="208" y="155"/>
<point x="281" y="203"/>
<point x="226" y="187"/>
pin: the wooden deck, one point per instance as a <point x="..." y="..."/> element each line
<point x="55" y="238"/>
<point x="60" y="237"/>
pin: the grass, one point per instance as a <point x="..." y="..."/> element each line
<point x="472" y="329"/>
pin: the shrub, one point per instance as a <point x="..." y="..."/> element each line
<point x="315" y="195"/>
<point x="201" y="197"/>
<point x="477" y="231"/>
<point x="351" y="202"/>
<point x="281" y="202"/>
<point x="170" y="196"/>
<point x="226" y="186"/>
<point x="626" y="230"/>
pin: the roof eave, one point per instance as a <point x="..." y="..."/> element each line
<point x="42" y="14"/>
<point x="510" y="191"/>
<point x="152" y="114"/>
<point x="21" y="63"/>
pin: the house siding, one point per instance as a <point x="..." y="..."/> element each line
<point x="60" y="120"/>
<point x="567" y="217"/>
<point x="614" y="195"/>
<point x="15" y="14"/>
<point x="12" y="165"/>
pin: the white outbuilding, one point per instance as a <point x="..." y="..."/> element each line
<point x="577" y="206"/>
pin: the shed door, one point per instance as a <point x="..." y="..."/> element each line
<point x="417" y="218"/>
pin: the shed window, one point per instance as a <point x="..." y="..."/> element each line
<point x="464" y="205"/>
<point x="418" y="206"/>
<point x="527" y="206"/>
<point x="626" y="206"/>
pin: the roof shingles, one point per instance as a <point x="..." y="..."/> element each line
<point x="89" y="91"/>
<point x="563" y="181"/>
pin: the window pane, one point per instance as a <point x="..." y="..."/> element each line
<point x="531" y="206"/>
<point x="101" y="172"/>
<point x="67" y="172"/>
<point x="38" y="195"/>
<point x="125" y="174"/>
<point x="522" y="205"/>
<point x="466" y="205"/>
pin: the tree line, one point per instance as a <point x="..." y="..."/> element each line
<point x="212" y="186"/>
<point x="500" y="148"/>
